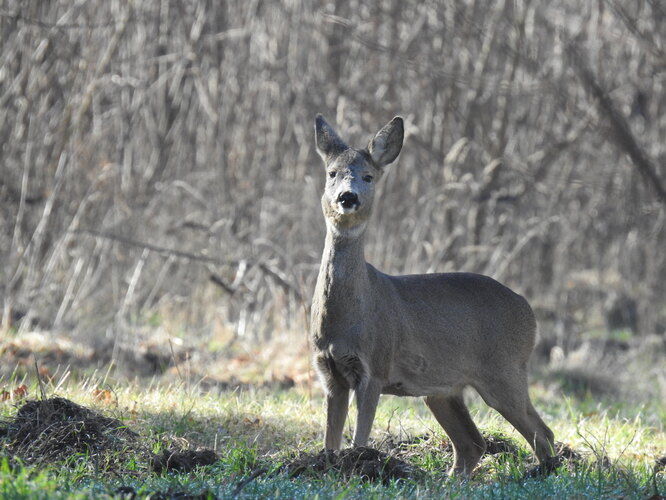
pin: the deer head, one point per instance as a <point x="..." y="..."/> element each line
<point x="351" y="174"/>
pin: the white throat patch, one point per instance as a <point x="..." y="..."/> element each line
<point x="347" y="232"/>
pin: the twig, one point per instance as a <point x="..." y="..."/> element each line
<point x="175" y="361"/>
<point x="102" y="66"/>
<point x="61" y="26"/>
<point x="242" y="484"/>
<point x="222" y="284"/>
<point x="282" y="281"/>
<point x="141" y="244"/>
<point x="39" y="380"/>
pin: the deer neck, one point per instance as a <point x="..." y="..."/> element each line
<point x="342" y="285"/>
<point x="343" y="260"/>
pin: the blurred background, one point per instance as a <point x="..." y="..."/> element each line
<point x="159" y="187"/>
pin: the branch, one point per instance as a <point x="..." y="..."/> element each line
<point x="161" y="250"/>
<point x="276" y="275"/>
<point x="618" y="124"/>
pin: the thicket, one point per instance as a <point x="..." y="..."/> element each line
<point x="157" y="157"/>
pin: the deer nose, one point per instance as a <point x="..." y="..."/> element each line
<point x="348" y="199"/>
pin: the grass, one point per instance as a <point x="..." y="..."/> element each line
<point x="262" y="428"/>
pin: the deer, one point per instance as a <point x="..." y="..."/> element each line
<point x="425" y="335"/>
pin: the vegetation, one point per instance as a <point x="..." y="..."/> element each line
<point x="160" y="228"/>
<point x="158" y="164"/>
<point x="256" y="433"/>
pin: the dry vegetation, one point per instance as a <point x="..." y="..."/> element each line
<point x="158" y="169"/>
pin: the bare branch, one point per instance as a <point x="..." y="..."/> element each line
<point x="618" y="124"/>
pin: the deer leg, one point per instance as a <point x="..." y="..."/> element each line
<point x="468" y="444"/>
<point x="337" y="404"/>
<point x="511" y="399"/>
<point x="528" y="422"/>
<point x="367" y="397"/>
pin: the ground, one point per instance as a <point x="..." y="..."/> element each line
<point x="170" y="420"/>
<point x="185" y="440"/>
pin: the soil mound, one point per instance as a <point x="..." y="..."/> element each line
<point x="56" y="429"/>
<point x="366" y="463"/>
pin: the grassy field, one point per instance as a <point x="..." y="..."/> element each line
<point x="255" y="433"/>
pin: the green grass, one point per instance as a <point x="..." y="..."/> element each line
<point x="260" y="428"/>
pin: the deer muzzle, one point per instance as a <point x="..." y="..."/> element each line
<point x="348" y="201"/>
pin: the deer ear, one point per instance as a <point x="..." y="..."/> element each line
<point x="386" y="145"/>
<point x="329" y="144"/>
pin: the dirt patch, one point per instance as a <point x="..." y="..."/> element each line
<point x="428" y="443"/>
<point x="567" y="453"/>
<point x="58" y="430"/>
<point x="565" y="456"/>
<point x="129" y="493"/>
<point x="416" y="446"/>
<point x="373" y="465"/>
<point x="366" y="463"/>
<point x="497" y="444"/>
<point x="183" y="460"/>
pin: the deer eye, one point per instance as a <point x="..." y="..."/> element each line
<point x="367" y="178"/>
<point x="332" y="174"/>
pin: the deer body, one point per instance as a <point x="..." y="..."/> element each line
<point x="427" y="335"/>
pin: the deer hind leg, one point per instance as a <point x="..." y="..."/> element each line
<point x="509" y="396"/>
<point x="468" y="444"/>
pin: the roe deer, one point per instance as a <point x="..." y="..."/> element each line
<point x="425" y="335"/>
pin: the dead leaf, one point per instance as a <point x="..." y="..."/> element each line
<point x="45" y="373"/>
<point x="253" y="422"/>
<point x="103" y="396"/>
<point x="21" y="391"/>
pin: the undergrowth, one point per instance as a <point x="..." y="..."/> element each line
<point x="258" y="434"/>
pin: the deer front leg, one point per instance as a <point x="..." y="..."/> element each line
<point x="337" y="403"/>
<point x="367" y="397"/>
